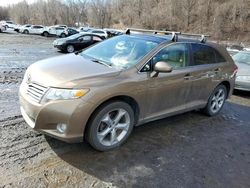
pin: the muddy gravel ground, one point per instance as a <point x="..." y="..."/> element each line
<point x="188" y="150"/>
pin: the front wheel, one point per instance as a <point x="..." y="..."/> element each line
<point x="46" y="34"/>
<point x="110" y="126"/>
<point x="216" y="101"/>
<point x="26" y="32"/>
<point x="70" y="49"/>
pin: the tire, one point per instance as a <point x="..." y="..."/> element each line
<point x="63" y="35"/>
<point x="26" y="32"/>
<point x="70" y="48"/>
<point x="108" y="130"/>
<point x="216" y="101"/>
<point x="46" y="34"/>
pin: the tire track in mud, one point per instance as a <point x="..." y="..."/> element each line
<point x="26" y="159"/>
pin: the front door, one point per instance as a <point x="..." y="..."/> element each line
<point x="168" y="92"/>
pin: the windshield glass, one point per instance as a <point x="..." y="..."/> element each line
<point x="242" y="57"/>
<point x="121" y="52"/>
<point x="74" y="36"/>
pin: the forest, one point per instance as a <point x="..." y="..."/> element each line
<point x="222" y="19"/>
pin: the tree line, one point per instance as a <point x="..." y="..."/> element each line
<point x="223" y="19"/>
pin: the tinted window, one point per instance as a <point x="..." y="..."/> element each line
<point x="38" y="27"/>
<point x="59" y="28"/>
<point x="85" y="38"/>
<point x="203" y="54"/>
<point x="219" y="57"/>
<point x="101" y="32"/>
<point x="176" y="55"/>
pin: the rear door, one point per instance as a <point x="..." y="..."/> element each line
<point x="204" y="73"/>
<point x="168" y="92"/>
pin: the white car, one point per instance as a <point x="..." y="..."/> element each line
<point x="84" y="29"/>
<point x="53" y="31"/>
<point x="99" y="32"/>
<point x="34" y="29"/>
<point x="9" y="24"/>
<point x="2" y="28"/>
<point x="24" y="27"/>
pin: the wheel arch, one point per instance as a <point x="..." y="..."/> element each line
<point x="124" y="98"/>
<point x="227" y="85"/>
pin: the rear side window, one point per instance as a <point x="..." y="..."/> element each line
<point x="203" y="54"/>
<point x="100" y="32"/>
<point x="219" y="57"/>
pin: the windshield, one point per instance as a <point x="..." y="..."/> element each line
<point x="120" y="52"/>
<point x="242" y="57"/>
<point x="74" y="36"/>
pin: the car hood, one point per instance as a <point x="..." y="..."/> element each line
<point x="244" y="69"/>
<point x="67" y="71"/>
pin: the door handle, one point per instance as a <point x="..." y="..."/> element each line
<point x="217" y="70"/>
<point x="188" y="76"/>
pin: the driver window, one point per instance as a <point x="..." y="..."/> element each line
<point x="176" y="55"/>
<point x="85" y="38"/>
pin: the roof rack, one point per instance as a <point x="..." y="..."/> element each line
<point x="173" y="33"/>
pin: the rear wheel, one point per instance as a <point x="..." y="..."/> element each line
<point x="216" y="101"/>
<point x="110" y="126"/>
<point x="70" y="48"/>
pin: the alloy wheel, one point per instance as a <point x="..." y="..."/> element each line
<point x="113" y="127"/>
<point x="218" y="100"/>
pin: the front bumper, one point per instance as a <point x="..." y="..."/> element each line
<point x="45" y="118"/>
<point x="242" y="85"/>
<point x="60" y="47"/>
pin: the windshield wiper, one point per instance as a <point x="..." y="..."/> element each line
<point x="100" y="62"/>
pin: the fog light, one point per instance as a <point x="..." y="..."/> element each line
<point x="61" y="127"/>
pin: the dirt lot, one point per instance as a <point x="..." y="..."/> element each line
<point x="189" y="150"/>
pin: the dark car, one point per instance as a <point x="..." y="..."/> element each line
<point x="77" y="42"/>
<point x="68" y="32"/>
<point x="242" y="60"/>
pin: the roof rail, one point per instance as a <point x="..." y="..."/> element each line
<point x="173" y="33"/>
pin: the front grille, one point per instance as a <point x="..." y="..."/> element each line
<point x="36" y="92"/>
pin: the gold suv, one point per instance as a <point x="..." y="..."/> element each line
<point x="101" y="93"/>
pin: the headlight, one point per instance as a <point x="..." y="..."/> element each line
<point x="64" y="94"/>
<point x="243" y="78"/>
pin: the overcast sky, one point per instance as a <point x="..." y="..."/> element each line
<point x="10" y="2"/>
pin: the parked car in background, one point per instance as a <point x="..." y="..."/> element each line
<point x="85" y="29"/>
<point x="9" y="24"/>
<point x="24" y="27"/>
<point x="77" y="42"/>
<point x="113" y="32"/>
<point x="17" y="28"/>
<point x="53" y="31"/>
<point x="68" y="32"/>
<point x="99" y="32"/>
<point x="2" y="28"/>
<point x="242" y="60"/>
<point x="33" y="29"/>
<point x="64" y="26"/>
<point x="101" y="93"/>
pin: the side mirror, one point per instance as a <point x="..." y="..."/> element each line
<point x="162" y="66"/>
<point x="81" y="39"/>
